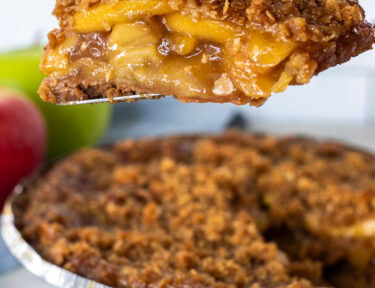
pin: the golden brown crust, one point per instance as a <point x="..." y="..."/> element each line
<point x="314" y="20"/>
<point x="154" y="213"/>
<point x="57" y="90"/>
<point x="295" y="191"/>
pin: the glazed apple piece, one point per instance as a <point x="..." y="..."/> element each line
<point x="104" y="17"/>
<point x="203" y="29"/>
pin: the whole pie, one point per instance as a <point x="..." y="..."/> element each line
<point x="234" y="210"/>
<point x="238" y="51"/>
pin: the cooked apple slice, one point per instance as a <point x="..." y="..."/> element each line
<point x="183" y="44"/>
<point x="103" y="16"/>
<point x="265" y="51"/>
<point x="211" y="30"/>
<point x="132" y="35"/>
<point x="58" y="60"/>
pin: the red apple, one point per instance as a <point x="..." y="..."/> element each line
<point x="23" y="140"/>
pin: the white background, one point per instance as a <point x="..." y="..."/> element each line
<point x="342" y="94"/>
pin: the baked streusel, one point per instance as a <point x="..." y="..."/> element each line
<point x="191" y="211"/>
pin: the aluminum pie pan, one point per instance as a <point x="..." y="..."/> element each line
<point x="30" y="258"/>
<point x="26" y="254"/>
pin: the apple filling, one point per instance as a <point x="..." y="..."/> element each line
<point x="359" y="256"/>
<point x="150" y="47"/>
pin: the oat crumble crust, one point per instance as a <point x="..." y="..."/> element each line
<point x="333" y="32"/>
<point x="316" y="20"/>
<point x="193" y="211"/>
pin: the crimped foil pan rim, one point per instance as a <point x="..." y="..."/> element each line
<point x="31" y="260"/>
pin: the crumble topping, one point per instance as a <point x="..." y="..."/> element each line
<point x="195" y="211"/>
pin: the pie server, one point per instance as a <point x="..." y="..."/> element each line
<point x="113" y="100"/>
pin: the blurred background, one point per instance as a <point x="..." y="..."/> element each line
<point x="338" y="104"/>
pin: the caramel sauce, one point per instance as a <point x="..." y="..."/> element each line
<point x="91" y="45"/>
<point x="173" y="54"/>
<point x="171" y="63"/>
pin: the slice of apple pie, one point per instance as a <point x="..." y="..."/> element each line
<point x="238" y="51"/>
